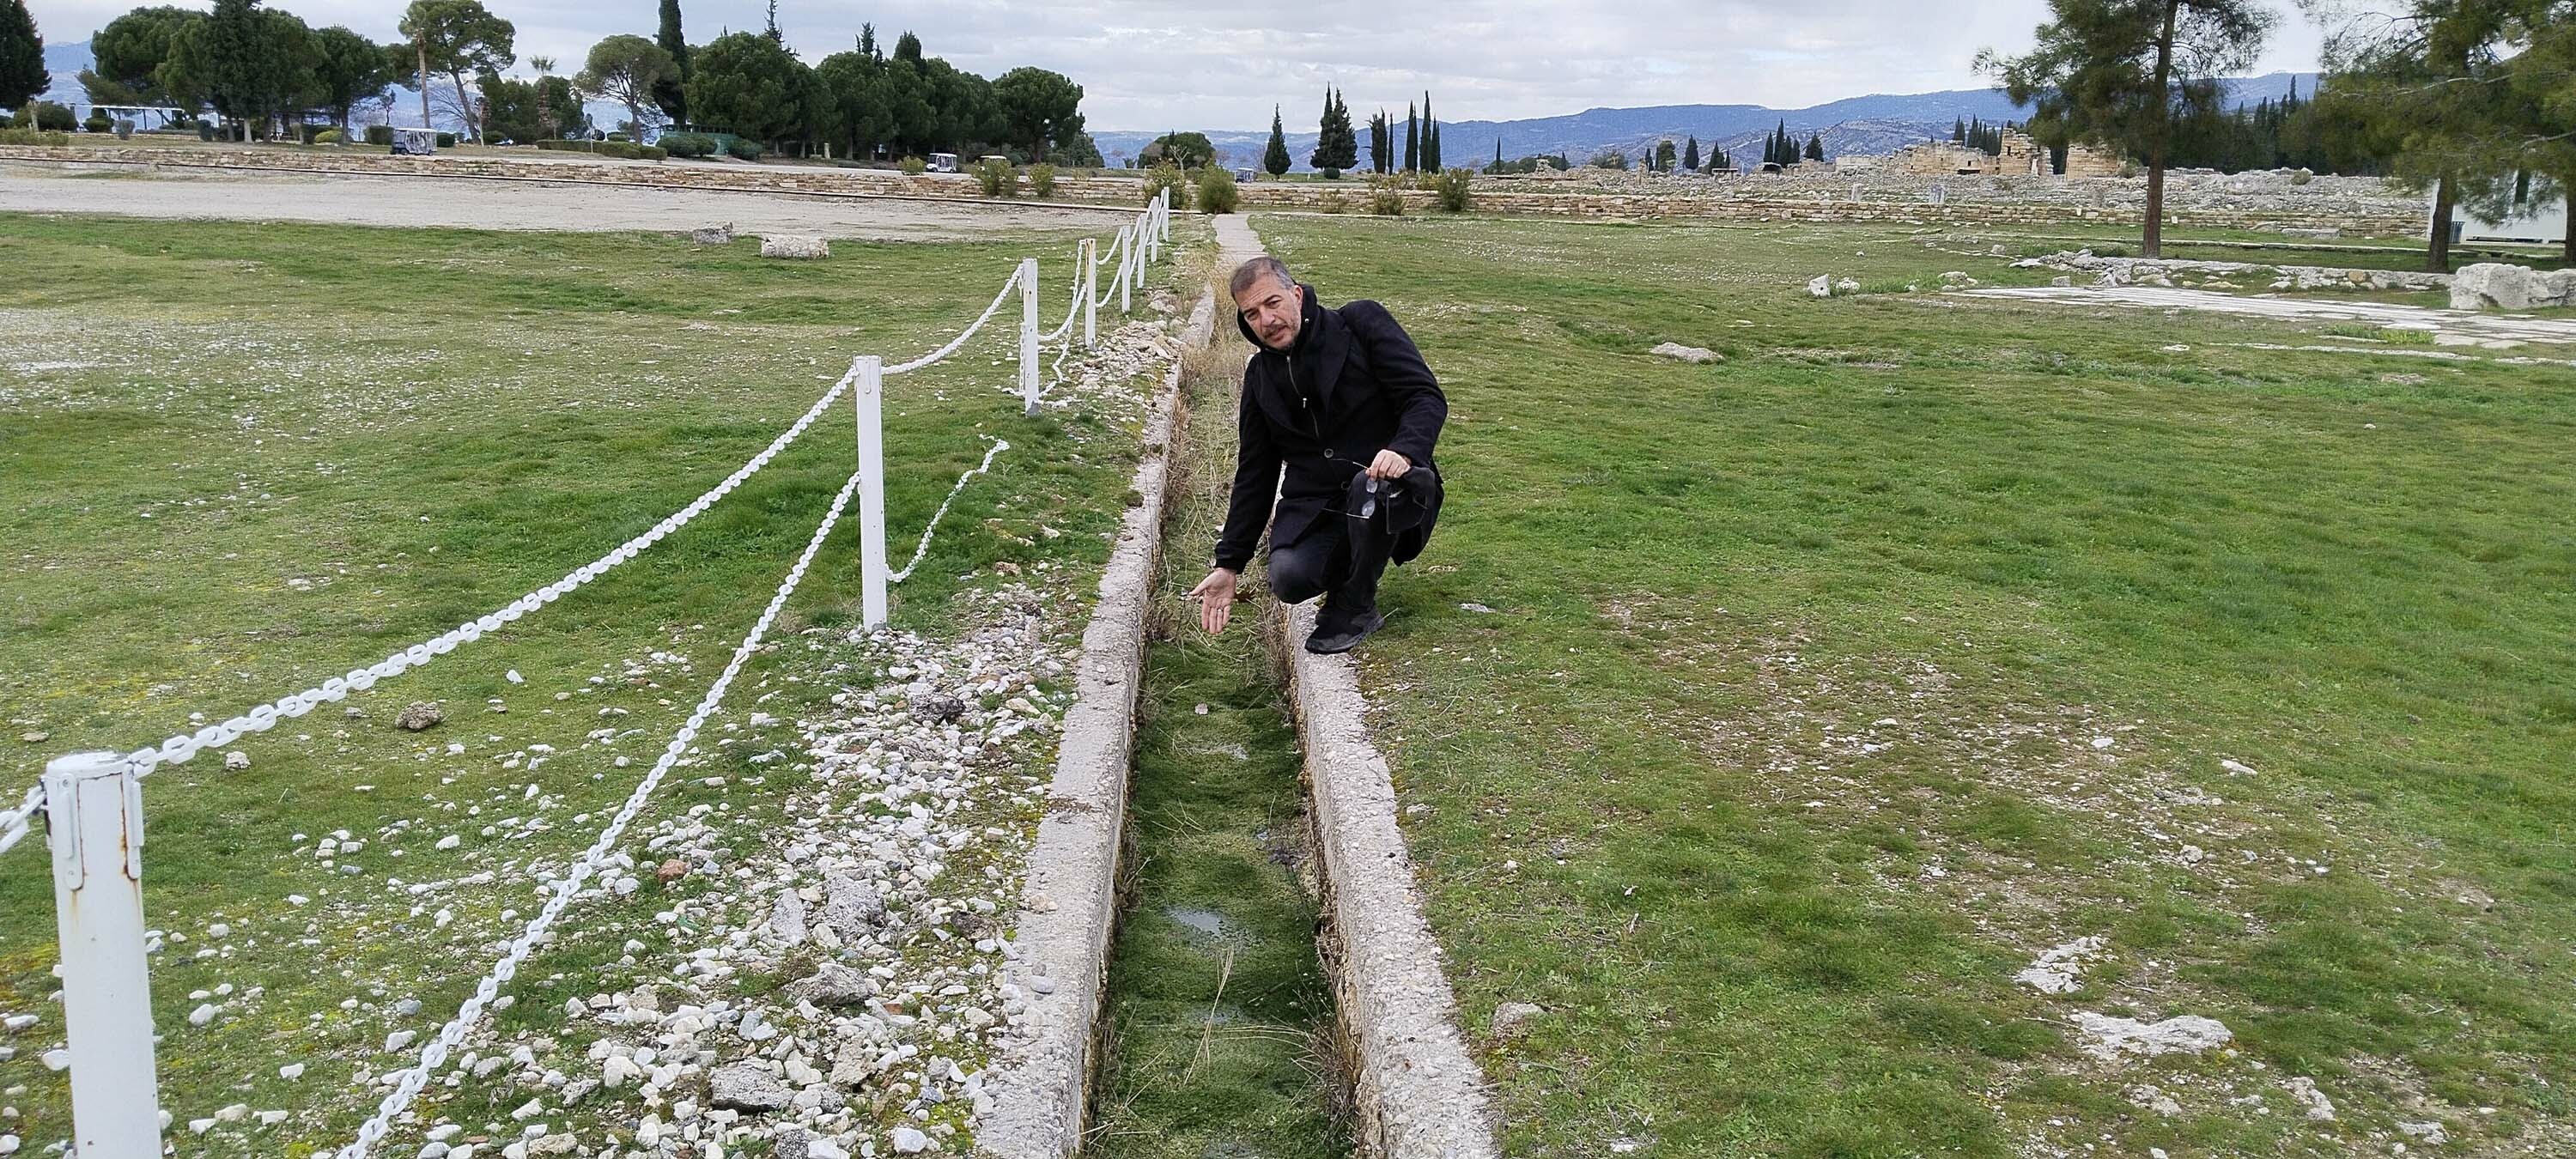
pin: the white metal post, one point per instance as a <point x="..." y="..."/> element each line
<point x="94" y="820"/>
<point x="1090" y="289"/>
<point x="872" y="549"/>
<point x="1029" y="334"/>
<point x="1135" y="238"/>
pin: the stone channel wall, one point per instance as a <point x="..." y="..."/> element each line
<point x="2255" y="201"/>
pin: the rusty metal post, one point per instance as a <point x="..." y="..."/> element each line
<point x="94" y="821"/>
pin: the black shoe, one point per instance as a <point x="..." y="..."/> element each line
<point x="1342" y="632"/>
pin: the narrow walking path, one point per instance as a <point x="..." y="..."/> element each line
<point x="2475" y="328"/>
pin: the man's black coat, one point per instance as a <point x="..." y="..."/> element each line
<point x="1352" y="384"/>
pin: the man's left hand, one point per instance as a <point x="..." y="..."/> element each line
<point x="1389" y="465"/>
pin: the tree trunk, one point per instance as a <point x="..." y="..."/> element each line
<point x="421" y="42"/>
<point x="2437" y="252"/>
<point x="2152" y="243"/>
<point x="2567" y="181"/>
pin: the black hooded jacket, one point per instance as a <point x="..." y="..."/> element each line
<point x="1351" y="385"/>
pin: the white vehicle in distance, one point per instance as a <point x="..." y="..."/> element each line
<point x="943" y="162"/>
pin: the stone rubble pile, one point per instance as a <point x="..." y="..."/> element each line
<point x="2121" y="271"/>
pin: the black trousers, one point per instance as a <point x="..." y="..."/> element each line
<point x="1338" y="555"/>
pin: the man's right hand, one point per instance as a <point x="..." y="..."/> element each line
<point x="1215" y="595"/>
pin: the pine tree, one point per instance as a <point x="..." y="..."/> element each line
<point x="1412" y="141"/>
<point x="1337" y="145"/>
<point x="1690" y="156"/>
<point x="1959" y="131"/>
<point x="1378" y="142"/>
<point x="1815" y="147"/>
<point x="1275" y="158"/>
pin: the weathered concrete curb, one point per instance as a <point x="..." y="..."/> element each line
<point x="1060" y="953"/>
<point x="1417" y="1093"/>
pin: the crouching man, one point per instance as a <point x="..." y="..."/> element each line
<point x="1342" y="399"/>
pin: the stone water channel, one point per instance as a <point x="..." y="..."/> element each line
<point x="1217" y="1032"/>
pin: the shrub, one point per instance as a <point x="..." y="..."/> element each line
<point x="33" y="137"/>
<point x="743" y="149"/>
<point x="1452" y="188"/>
<point x="913" y="166"/>
<point x="1334" y="202"/>
<point x="97" y="122"/>
<point x="997" y="178"/>
<point x="384" y="135"/>
<point x="124" y="129"/>
<point x="655" y="152"/>
<point x="2302" y="177"/>
<point x="688" y="144"/>
<point x="328" y="137"/>
<point x="1386" y="195"/>
<point x="1217" y="192"/>
<point x="206" y="132"/>
<point x="1167" y="176"/>
<point x="44" y="115"/>
<point x="1041" y="180"/>
<point x="447" y="140"/>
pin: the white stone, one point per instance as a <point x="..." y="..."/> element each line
<point x="236" y="760"/>
<point x="1687" y="353"/>
<point x="910" y="1142"/>
<point x="291" y="1071"/>
<point x="2494" y="286"/>
<point x="792" y="245"/>
<point x="2108" y="1038"/>
<point x="2304" y="1089"/>
<point x="2059" y="969"/>
<point x="1822" y="286"/>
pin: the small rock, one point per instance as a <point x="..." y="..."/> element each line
<point x="1479" y="609"/>
<point x="850" y="907"/>
<point x="1510" y="1017"/>
<point x="2107" y="1038"/>
<point x="1687" y="353"/>
<point x="789" y="1143"/>
<point x="743" y="1087"/>
<point x="2305" y="1090"/>
<point x="713" y="234"/>
<point x="236" y="760"/>
<point x="833" y="985"/>
<point x="35" y="737"/>
<point x="793" y="245"/>
<point x="291" y="1071"/>
<point x="1822" y="286"/>
<point x="670" y="871"/>
<point x="418" y="715"/>
<point x="910" y="1142"/>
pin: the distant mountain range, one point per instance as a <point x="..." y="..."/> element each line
<point x="1878" y="123"/>
<point x="1870" y="124"/>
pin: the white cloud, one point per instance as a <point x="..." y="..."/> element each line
<point x="1152" y="64"/>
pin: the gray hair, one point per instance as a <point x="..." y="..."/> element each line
<point x="1258" y="268"/>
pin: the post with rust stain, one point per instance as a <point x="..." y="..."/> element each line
<point x="94" y="821"/>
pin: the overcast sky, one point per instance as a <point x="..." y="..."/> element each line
<point x="1196" y="64"/>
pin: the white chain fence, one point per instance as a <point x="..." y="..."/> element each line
<point x="471" y="1012"/>
<point x="14" y="823"/>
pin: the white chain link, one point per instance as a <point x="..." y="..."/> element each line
<point x="998" y="447"/>
<point x="470" y="1013"/>
<point x="179" y="749"/>
<point x="13" y="823"/>
<point x="1012" y="283"/>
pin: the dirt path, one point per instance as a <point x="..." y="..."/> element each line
<point x="2449" y="327"/>
<point x="426" y="201"/>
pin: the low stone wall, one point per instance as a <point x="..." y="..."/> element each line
<point x="2254" y="201"/>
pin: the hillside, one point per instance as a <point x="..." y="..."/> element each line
<point x="1878" y="123"/>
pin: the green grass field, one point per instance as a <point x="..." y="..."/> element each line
<point x="1823" y="688"/>
<point x="238" y="459"/>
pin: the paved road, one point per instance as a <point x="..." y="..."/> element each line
<point x="447" y="201"/>
<point x="2449" y="327"/>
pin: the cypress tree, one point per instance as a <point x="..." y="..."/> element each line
<point x="670" y="95"/>
<point x="1275" y="158"/>
<point x="1430" y="137"/>
<point x="1498" y="153"/>
<point x="22" y="58"/>
<point x="1412" y="141"/>
<point x="1690" y="156"/>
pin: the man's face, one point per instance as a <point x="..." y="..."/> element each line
<point x="1273" y="309"/>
